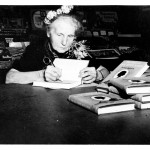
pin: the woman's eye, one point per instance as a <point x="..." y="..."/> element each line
<point x="59" y="34"/>
<point x="71" y="36"/>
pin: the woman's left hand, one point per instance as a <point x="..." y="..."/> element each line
<point x="88" y="74"/>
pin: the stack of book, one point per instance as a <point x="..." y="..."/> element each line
<point x="142" y="101"/>
<point x="135" y="84"/>
<point x="137" y="89"/>
<point x="124" y="89"/>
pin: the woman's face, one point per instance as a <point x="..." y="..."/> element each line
<point x="62" y="34"/>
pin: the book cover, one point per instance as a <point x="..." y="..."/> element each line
<point x="128" y="68"/>
<point x="141" y="97"/>
<point x="140" y="105"/>
<point x="101" y="103"/>
<point x="132" y="86"/>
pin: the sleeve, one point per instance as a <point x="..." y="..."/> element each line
<point x="31" y="60"/>
<point x="102" y="73"/>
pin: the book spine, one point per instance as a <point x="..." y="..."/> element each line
<point x="143" y="98"/>
<point x="75" y="100"/>
<point x="136" y="98"/>
<point x="140" y="105"/>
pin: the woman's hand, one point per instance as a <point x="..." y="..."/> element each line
<point x="88" y="74"/>
<point x="52" y="73"/>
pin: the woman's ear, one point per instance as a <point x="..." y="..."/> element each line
<point x="48" y="31"/>
<point x="75" y="37"/>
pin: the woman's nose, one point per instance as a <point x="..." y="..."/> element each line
<point x="64" y="41"/>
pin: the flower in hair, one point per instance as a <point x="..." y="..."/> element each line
<point x="59" y="11"/>
<point x="51" y="14"/>
<point x="65" y="9"/>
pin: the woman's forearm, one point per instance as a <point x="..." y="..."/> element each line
<point x="15" y="76"/>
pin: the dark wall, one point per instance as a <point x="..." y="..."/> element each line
<point x="129" y="17"/>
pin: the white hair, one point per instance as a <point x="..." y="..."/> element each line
<point x="73" y="20"/>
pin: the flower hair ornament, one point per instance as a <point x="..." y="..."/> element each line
<point x="65" y="9"/>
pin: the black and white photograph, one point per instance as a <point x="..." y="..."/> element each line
<point x="65" y="72"/>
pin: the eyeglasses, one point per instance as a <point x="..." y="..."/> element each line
<point x="47" y="60"/>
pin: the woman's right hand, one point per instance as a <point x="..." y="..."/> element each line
<point x="52" y="73"/>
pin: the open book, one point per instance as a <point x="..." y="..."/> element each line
<point x="70" y="74"/>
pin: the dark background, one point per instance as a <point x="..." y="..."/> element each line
<point x="130" y="19"/>
<point x="119" y="19"/>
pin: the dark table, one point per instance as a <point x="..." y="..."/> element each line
<point x="34" y="115"/>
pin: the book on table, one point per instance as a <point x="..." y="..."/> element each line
<point x="128" y="68"/>
<point x="132" y="86"/>
<point x="142" y="105"/>
<point x="101" y="103"/>
<point x="142" y="101"/>
<point x="141" y="97"/>
<point x="106" y="88"/>
<point x="70" y="74"/>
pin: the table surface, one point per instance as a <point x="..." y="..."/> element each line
<point x="35" y="115"/>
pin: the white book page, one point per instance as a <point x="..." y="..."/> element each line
<point x="70" y="68"/>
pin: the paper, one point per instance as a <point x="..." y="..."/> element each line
<point x="57" y="85"/>
<point x="70" y="68"/>
<point x="70" y="74"/>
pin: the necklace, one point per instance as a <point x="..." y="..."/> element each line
<point x="50" y="55"/>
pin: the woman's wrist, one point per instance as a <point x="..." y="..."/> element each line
<point x="41" y="75"/>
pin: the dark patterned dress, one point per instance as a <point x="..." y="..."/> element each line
<point x="38" y="55"/>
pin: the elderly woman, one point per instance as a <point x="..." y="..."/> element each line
<point x="36" y="62"/>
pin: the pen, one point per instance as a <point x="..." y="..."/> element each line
<point x="47" y="61"/>
<point x="59" y="76"/>
<point x="52" y="64"/>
